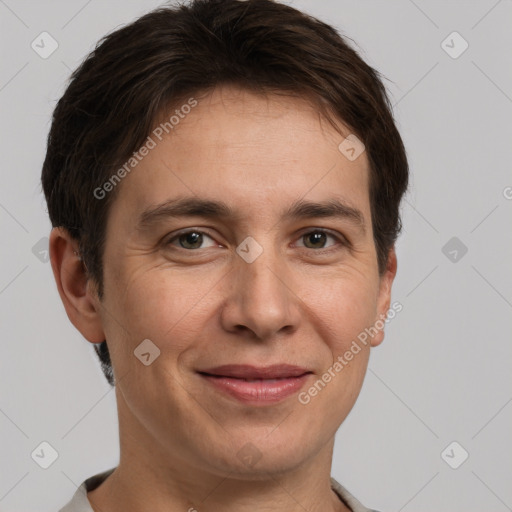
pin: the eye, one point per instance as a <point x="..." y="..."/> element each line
<point x="192" y="239"/>
<point x="316" y="239"/>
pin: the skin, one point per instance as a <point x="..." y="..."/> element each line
<point x="206" y="306"/>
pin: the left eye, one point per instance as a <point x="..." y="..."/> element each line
<point x="194" y="239"/>
<point x="318" y="237"/>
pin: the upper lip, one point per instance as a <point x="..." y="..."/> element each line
<point x="245" y="371"/>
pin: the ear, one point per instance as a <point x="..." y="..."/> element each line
<point x="78" y="294"/>
<point x="384" y="297"/>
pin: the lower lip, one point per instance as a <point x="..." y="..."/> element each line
<point x="260" y="392"/>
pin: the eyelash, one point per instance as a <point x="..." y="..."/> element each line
<point x="342" y="241"/>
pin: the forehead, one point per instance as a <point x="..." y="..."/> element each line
<point x="255" y="152"/>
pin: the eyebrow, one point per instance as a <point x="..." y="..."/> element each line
<point x="219" y="210"/>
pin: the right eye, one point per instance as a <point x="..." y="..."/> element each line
<point x="190" y="240"/>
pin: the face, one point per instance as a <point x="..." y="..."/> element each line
<point x="299" y="291"/>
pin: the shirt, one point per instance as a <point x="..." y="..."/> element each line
<point x="80" y="503"/>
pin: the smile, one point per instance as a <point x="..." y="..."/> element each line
<point x="257" y="391"/>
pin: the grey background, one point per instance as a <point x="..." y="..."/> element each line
<point x="443" y="371"/>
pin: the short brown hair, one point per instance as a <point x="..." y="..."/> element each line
<point x="146" y="68"/>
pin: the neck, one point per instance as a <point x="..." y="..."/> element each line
<point x="153" y="477"/>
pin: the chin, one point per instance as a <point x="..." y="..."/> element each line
<point x="259" y="460"/>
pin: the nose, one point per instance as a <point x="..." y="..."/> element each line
<point x="261" y="302"/>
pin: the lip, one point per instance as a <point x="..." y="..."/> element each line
<point x="246" y="371"/>
<point x="260" y="392"/>
<point x="257" y="385"/>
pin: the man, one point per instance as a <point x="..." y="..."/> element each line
<point x="224" y="181"/>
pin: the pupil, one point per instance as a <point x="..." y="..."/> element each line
<point x="192" y="238"/>
<point x="317" y="237"/>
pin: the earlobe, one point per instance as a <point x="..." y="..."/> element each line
<point x="72" y="283"/>
<point x="384" y="298"/>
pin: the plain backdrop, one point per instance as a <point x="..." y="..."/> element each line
<point x="442" y="375"/>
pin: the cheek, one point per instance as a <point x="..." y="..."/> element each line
<point x="344" y="306"/>
<point x="163" y="305"/>
<point x="344" y="310"/>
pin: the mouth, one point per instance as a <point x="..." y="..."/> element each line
<point x="257" y="386"/>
